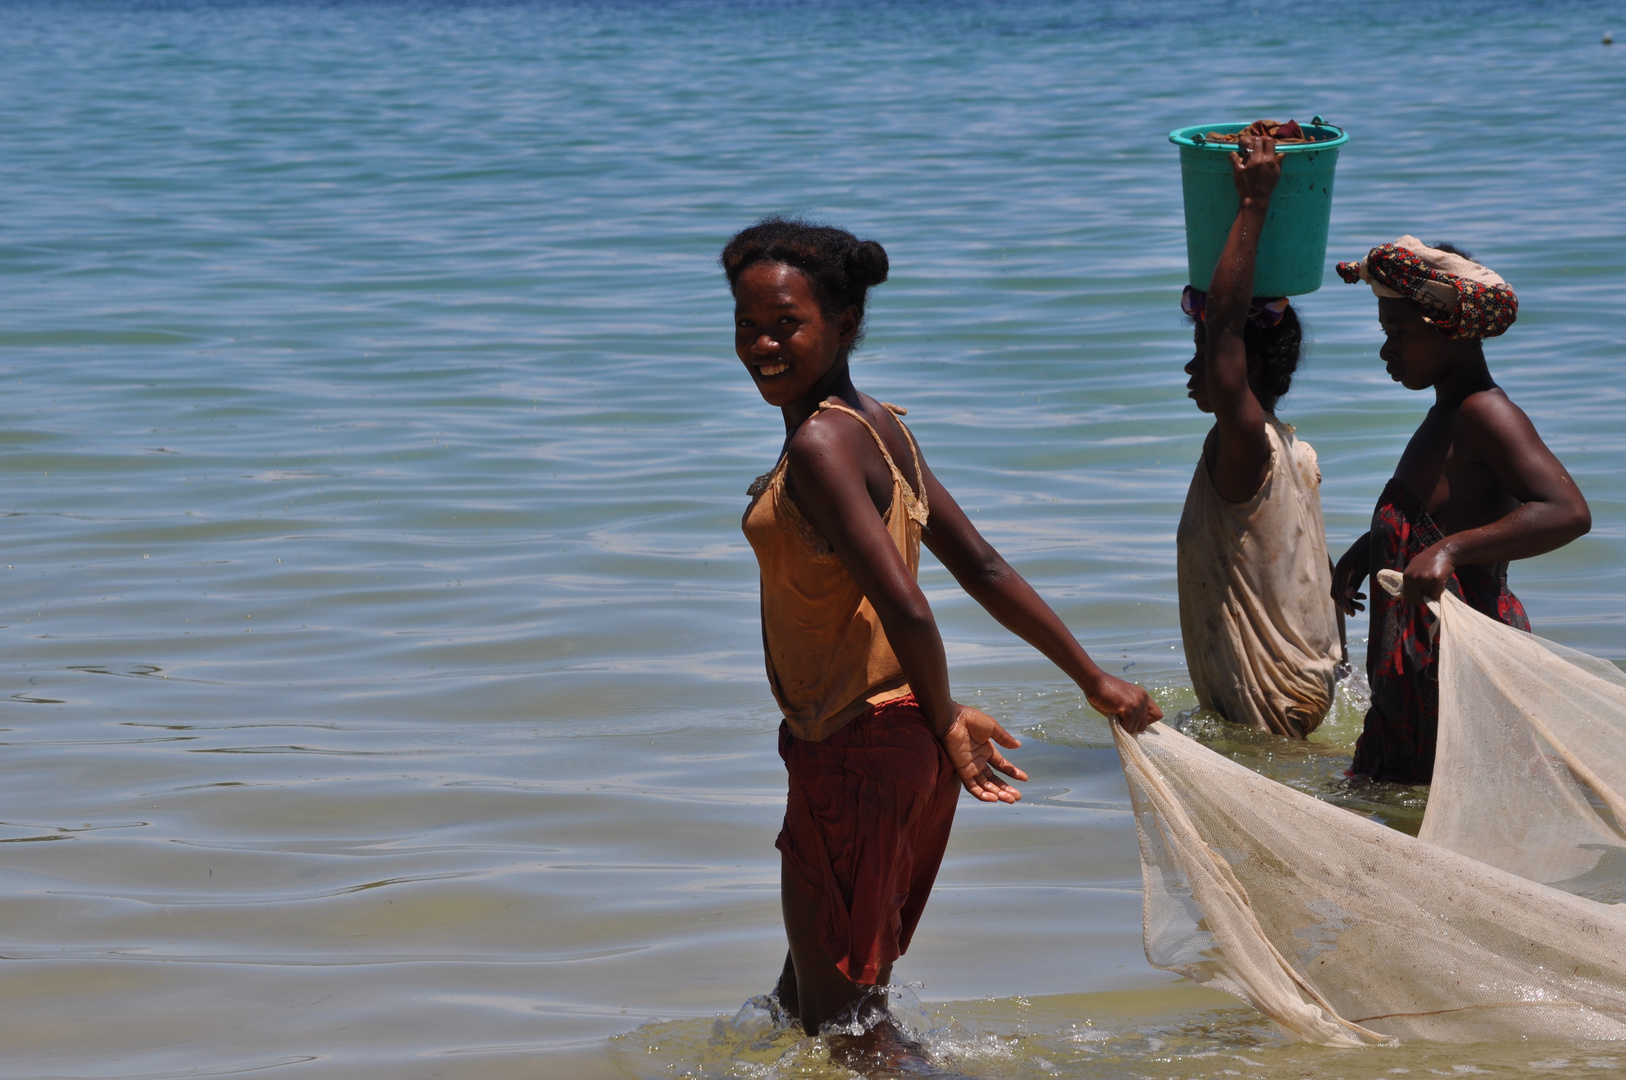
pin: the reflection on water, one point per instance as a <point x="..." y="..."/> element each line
<point x="381" y="688"/>
<point x="1318" y="765"/>
<point x="1072" y="1035"/>
<point x="1181" y="1032"/>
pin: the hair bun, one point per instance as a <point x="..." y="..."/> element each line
<point x="868" y="264"/>
<point x="840" y="267"/>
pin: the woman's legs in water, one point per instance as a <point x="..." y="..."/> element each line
<point x="867" y="820"/>
<point x="811" y="988"/>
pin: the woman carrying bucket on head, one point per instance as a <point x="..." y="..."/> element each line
<point x="1260" y="633"/>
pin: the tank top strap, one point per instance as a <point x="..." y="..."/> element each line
<point x="898" y="413"/>
<point x="876" y="435"/>
<point x="914" y="494"/>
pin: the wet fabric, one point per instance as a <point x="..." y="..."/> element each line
<point x="866" y="824"/>
<point x="1459" y="296"/>
<point x="1530" y="771"/>
<point x="1402" y="667"/>
<point x="827" y="656"/>
<point x="1256" y="612"/>
<point x="1346" y="932"/>
<point x="1498" y="922"/>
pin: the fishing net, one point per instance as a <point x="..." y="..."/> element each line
<point x="1346" y="932"/>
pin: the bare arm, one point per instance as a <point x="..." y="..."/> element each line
<point x="1243" y="456"/>
<point x="989" y="580"/>
<point x="1350" y="574"/>
<point x="1496" y="433"/>
<point x="827" y="462"/>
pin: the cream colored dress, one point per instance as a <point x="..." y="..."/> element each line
<point x="1256" y="611"/>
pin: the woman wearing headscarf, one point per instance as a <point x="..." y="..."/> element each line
<point x="1475" y="488"/>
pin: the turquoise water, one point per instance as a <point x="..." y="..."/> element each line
<point x="382" y="683"/>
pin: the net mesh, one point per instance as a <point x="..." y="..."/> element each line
<point x="1346" y="932"/>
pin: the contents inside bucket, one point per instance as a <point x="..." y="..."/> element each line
<point x="1287" y="134"/>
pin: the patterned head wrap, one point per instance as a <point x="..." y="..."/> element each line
<point x="1458" y="296"/>
<point x="1263" y="311"/>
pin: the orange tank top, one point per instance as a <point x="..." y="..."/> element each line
<point x="828" y="658"/>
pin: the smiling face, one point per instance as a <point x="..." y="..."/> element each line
<point x="782" y="336"/>
<point x="1415" y="354"/>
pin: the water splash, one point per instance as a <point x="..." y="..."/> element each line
<point x="1178" y="1032"/>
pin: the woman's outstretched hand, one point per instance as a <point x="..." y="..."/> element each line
<point x="973" y="743"/>
<point x="1124" y="702"/>
<point x="1257" y="168"/>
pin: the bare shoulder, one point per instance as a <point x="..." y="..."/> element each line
<point x="1490" y="418"/>
<point x="824" y="430"/>
<point x="834" y="442"/>
<point x="889" y="425"/>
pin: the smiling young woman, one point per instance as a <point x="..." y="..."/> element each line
<point x="874" y="743"/>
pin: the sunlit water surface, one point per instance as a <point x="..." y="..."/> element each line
<point x="381" y="676"/>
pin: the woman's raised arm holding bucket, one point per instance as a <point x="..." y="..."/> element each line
<point x="1238" y="456"/>
<point x="1251" y="538"/>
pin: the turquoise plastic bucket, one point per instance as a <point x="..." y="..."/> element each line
<point x="1293" y="247"/>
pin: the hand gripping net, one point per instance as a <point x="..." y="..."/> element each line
<point x="1496" y="924"/>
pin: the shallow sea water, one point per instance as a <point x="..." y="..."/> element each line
<point x="382" y="690"/>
